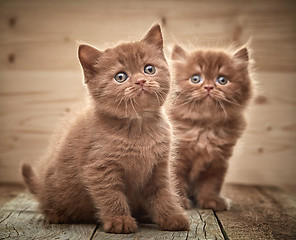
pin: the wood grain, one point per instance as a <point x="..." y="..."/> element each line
<point x="38" y="35"/>
<point x="145" y="231"/>
<point x="259" y="213"/>
<point x="203" y="225"/>
<point x="19" y="219"/>
<point x="29" y="117"/>
<point x="41" y="79"/>
<point x="265" y="154"/>
<point x="9" y="191"/>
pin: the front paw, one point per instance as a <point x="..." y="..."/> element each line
<point x="215" y="203"/>
<point x="178" y="222"/>
<point x="120" y="224"/>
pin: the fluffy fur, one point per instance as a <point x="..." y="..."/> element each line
<point x="208" y="118"/>
<point x="112" y="163"/>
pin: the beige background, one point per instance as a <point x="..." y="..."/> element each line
<point x="40" y="76"/>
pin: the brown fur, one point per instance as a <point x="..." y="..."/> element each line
<point x="113" y="160"/>
<point x="207" y="127"/>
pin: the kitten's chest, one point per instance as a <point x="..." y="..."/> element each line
<point x="203" y="138"/>
<point x="139" y="162"/>
<point x="137" y="145"/>
<point x="142" y="154"/>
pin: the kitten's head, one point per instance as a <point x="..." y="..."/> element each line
<point x="130" y="79"/>
<point x="211" y="83"/>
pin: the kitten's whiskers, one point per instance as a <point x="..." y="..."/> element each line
<point x="232" y="102"/>
<point x="137" y="104"/>
<point x="119" y="102"/>
<point x="223" y="108"/>
<point x="186" y="102"/>
<point x="192" y="104"/>
<point x="223" y="98"/>
<point x="179" y="94"/>
<point x="131" y="100"/>
<point x="129" y="91"/>
<point x="157" y="97"/>
<point x="125" y="101"/>
<point x="153" y="84"/>
<point x="161" y="96"/>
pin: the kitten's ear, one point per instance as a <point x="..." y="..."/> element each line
<point x="154" y="36"/>
<point x="178" y="53"/>
<point x="242" y="54"/>
<point x="88" y="57"/>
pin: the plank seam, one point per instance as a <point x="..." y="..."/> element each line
<point x="187" y="235"/>
<point x="221" y="227"/>
<point x="94" y="232"/>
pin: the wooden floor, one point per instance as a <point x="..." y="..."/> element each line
<point x="257" y="213"/>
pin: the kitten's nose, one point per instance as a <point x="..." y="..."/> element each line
<point x="141" y="82"/>
<point x="209" y="87"/>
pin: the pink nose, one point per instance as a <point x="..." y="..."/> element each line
<point x="209" y="88"/>
<point x="141" y="82"/>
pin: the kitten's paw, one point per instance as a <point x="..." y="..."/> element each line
<point x="215" y="203"/>
<point x="120" y="224"/>
<point x="178" y="222"/>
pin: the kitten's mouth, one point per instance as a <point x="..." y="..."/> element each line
<point x="208" y="96"/>
<point x="141" y="91"/>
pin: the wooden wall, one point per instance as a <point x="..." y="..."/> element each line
<point x="40" y="77"/>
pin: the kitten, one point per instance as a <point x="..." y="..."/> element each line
<point x="113" y="160"/>
<point x="213" y="89"/>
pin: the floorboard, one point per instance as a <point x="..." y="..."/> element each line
<point x="9" y="191"/>
<point x="20" y="219"/>
<point x="257" y="213"/>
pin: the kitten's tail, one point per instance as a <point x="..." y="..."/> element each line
<point x="30" y="178"/>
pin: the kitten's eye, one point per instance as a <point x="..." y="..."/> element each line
<point x="149" y="69"/>
<point x="196" y="79"/>
<point x="120" y="77"/>
<point x="222" y="80"/>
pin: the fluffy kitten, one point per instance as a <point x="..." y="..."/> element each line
<point x="213" y="89"/>
<point x="113" y="160"/>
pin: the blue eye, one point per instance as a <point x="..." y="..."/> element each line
<point x="222" y="80"/>
<point x="149" y="69"/>
<point x="196" y="79"/>
<point x="120" y="77"/>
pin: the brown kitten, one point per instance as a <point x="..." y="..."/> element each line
<point x="113" y="160"/>
<point x="213" y="89"/>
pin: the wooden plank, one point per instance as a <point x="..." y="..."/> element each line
<point x="258" y="213"/>
<point x="145" y="231"/>
<point x="9" y="191"/>
<point x="283" y="214"/>
<point x="290" y="189"/>
<point x="40" y="75"/>
<point x="31" y="110"/>
<point x="37" y="35"/>
<point x="19" y="219"/>
<point x="270" y="135"/>
<point x="203" y="225"/>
